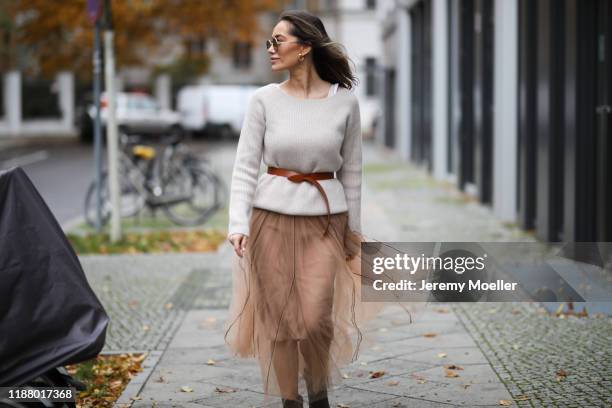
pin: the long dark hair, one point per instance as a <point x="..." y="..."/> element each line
<point x="329" y="57"/>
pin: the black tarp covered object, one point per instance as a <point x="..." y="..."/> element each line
<point x="49" y="315"/>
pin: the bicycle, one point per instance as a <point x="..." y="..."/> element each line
<point x="180" y="183"/>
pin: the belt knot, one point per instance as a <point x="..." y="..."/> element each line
<point x="312" y="179"/>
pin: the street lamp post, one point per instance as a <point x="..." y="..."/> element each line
<point x="111" y="125"/>
<point x="93" y="10"/>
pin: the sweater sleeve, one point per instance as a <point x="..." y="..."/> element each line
<point x="351" y="171"/>
<point x="246" y="167"/>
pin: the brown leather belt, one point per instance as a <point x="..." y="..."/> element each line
<point x="309" y="177"/>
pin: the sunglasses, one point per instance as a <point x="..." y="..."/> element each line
<point x="275" y="43"/>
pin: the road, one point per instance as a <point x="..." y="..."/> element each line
<point x="62" y="170"/>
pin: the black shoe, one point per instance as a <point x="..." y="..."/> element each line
<point x="318" y="401"/>
<point x="299" y="403"/>
<point x="315" y="400"/>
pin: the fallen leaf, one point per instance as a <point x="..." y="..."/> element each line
<point x="450" y="374"/>
<point x="343" y="406"/>
<point x="453" y="367"/>
<point x="393" y="383"/>
<point x="211" y="362"/>
<point x="139" y="358"/>
<point x="136" y="398"/>
<point x="185" y="388"/>
<point x="430" y="335"/>
<point x="146" y="327"/>
<point x="224" y="390"/>
<point x="441" y="355"/>
<point x="420" y="379"/>
<point x="561" y="374"/>
<point x="522" y="398"/>
<point x="376" y="374"/>
<point x="346" y="376"/>
<point x="505" y="403"/>
<point x="168" y="306"/>
<point x="442" y="310"/>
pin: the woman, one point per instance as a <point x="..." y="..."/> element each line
<point x="296" y="229"/>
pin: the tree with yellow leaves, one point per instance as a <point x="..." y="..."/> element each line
<point x="58" y="35"/>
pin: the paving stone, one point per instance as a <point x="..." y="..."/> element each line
<point x="403" y="402"/>
<point x="454" y="355"/>
<point x="357" y="397"/>
<point x="506" y="350"/>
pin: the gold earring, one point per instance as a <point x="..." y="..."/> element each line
<point x="301" y="58"/>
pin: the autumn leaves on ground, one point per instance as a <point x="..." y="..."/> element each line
<point x="105" y="377"/>
<point x="149" y="242"/>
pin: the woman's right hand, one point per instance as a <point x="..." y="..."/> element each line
<point x="239" y="242"/>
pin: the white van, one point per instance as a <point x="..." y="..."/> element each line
<point x="213" y="109"/>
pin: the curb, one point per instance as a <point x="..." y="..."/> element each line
<point x="70" y="224"/>
<point x="135" y="385"/>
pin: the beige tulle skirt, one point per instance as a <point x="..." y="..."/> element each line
<point x="296" y="303"/>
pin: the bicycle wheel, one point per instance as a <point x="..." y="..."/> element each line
<point x="130" y="202"/>
<point x="200" y="191"/>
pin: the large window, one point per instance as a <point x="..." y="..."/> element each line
<point x="370" y="76"/>
<point x="39" y="99"/>
<point x="242" y="54"/>
<point x="1" y="94"/>
<point x="195" y="46"/>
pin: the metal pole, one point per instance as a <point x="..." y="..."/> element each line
<point x="111" y="126"/>
<point x="97" y="125"/>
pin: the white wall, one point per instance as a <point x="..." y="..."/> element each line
<point x="222" y="70"/>
<point x="360" y="34"/>
<point x="505" y="83"/>
<point x="12" y="124"/>
<point x="403" y="114"/>
<point x="163" y="91"/>
<point x="439" y="88"/>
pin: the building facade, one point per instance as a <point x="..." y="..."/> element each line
<point x="511" y="101"/>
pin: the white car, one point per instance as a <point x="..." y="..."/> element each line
<point x="137" y="113"/>
<point x="214" y="108"/>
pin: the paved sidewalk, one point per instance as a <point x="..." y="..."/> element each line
<point x="413" y="365"/>
<point x="507" y="352"/>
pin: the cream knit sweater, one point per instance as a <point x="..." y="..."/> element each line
<point x="305" y="135"/>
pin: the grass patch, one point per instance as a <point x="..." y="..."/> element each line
<point x="382" y="167"/>
<point x="139" y="223"/>
<point x="400" y="183"/>
<point x="149" y="222"/>
<point x="106" y="377"/>
<point x="454" y="200"/>
<point x="149" y="242"/>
